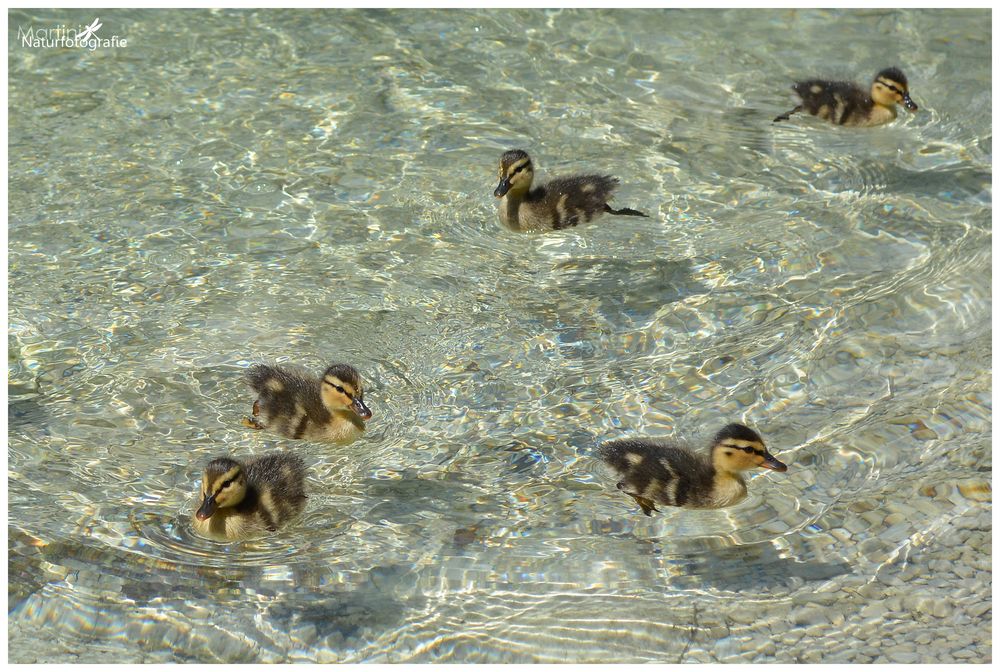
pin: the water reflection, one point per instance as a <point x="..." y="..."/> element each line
<point x="828" y="287"/>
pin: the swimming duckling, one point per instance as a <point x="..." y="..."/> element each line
<point x="559" y="203"/>
<point x="246" y="499"/>
<point x="653" y="472"/>
<point x="847" y="104"/>
<point x="298" y="405"/>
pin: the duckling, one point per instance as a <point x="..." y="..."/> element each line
<point x="847" y="104"/>
<point x="653" y="472"/>
<point x="298" y="405"/>
<point x="560" y="203"/>
<point x="240" y="500"/>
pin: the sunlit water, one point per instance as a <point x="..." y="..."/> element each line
<point x="316" y="187"/>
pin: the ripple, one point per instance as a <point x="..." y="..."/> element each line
<point x="826" y="285"/>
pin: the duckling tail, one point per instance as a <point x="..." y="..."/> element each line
<point x="624" y="211"/>
<point x="787" y="115"/>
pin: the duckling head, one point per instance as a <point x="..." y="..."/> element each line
<point x="890" y="88"/>
<point x="223" y="484"/>
<point x="516" y="173"/>
<point x="342" y="390"/>
<point x="738" y="448"/>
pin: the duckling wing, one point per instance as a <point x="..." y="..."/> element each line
<point x="286" y="394"/>
<point x="663" y="473"/>
<point x="268" y="378"/>
<point x="279" y="479"/>
<point x="834" y="101"/>
<point x="568" y="201"/>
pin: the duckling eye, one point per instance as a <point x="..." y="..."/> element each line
<point x="747" y="449"/>
<point x="339" y="388"/>
<point x="890" y="87"/>
<point x="228" y="483"/>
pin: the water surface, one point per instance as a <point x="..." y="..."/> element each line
<point x="317" y="186"/>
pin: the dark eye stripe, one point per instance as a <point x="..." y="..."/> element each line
<point x="745" y="449"/>
<point x="519" y="169"/>
<point x="890" y="87"/>
<point x="337" y="387"/>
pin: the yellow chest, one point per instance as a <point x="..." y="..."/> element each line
<point x="226" y="525"/>
<point x="340" y="429"/>
<point x="727" y="490"/>
<point x="879" y="115"/>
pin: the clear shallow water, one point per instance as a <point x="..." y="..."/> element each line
<point x="317" y="186"/>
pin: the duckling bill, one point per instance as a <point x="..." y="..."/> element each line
<point x="297" y="404"/>
<point x="245" y="499"/>
<point x="558" y="204"/>
<point x="847" y="104"/>
<point x="658" y="473"/>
